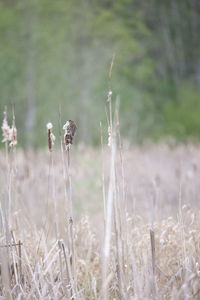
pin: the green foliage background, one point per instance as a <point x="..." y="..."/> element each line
<point x="56" y="55"/>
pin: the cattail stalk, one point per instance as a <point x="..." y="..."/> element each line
<point x="109" y="205"/>
<point x="51" y="140"/>
<point x="69" y="132"/>
<point x="10" y="139"/>
<point x="110" y="195"/>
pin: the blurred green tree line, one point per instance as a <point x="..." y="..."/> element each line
<point x="55" y="56"/>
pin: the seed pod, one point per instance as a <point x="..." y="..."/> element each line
<point x="70" y="129"/>
<point x="51" y="137"/>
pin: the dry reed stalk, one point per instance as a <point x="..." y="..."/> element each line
<point x="109" y="204"/>
<point x="108" y="225"/>
<point x="110" y="196"/>
<point x="69" y="132"/>
<point x="181" y="222"/>
<point x="123" y="209"/>
<point x="51" y="178"/>
<point x="8" y="260"/>
<point x="69" y="274"/>
<point x="103" y="175"/>
<point x="21" y="277"/>
<point x="118" y="246"/>
<point x="153" y="264"/>
<point x="67" y="195"/>
<point x="153" y="252"/>
<point x="119" y="216"/>
<point x="14" y="265"/>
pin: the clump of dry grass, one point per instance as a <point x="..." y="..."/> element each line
<point x="45" y="271"/>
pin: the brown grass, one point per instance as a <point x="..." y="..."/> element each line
<point x="154" y="249"/>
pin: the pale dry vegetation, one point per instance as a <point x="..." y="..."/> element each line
<point x="148" y="250"/>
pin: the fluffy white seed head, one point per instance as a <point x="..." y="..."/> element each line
<point x="49" y="125"/>
<point x="9" y="133"/>
<point x="13" y="136"/>
<point x="6" y="131"/>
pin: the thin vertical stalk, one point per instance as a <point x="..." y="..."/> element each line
<point x="71" y="222"/>
<point x="103" y="175"/>
<point x="108" y="225"/>
<point x="153" y="262"/>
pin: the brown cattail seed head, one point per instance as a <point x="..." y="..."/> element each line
<point x="51" y="136"/>
<point x="70" y="129"/>
<point x="13" y="137"/>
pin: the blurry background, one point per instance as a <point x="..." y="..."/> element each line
<point x="58" y="53"/>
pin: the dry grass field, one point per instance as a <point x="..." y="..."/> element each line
<point x="111" y="225"/>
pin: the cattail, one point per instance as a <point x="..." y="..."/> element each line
<point x="51" y="136"/>
<point x="6" y="130"/>
<point x="13" y="136"/>
<point x="70" y="129"/>
<point x="13" y="133"/>
<point x="9" y="133"/>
